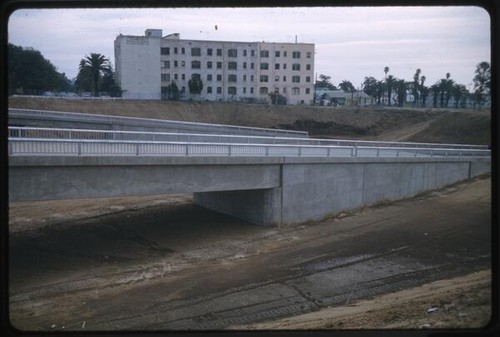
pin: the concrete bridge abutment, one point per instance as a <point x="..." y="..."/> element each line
<point x="270" y="191"/>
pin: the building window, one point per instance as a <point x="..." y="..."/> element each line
<point x="219" y="77"/>
<point x="264" y="78"/>
<point x="284" y="65"/>
<point x="165" y="51"/>
<point x="308" y="67"/>
<point x="183" y="50"/>
<point x="183" y="63"/>
<point x="264" y="53"/>
<point x="232" y="65"/>
<point x="175" y="50"/>
<point x="244" y="65"/>
<point x="195" y="65"/>
<point x="284" y="90"/>
<point x="251" y="78"/>
<point x="165" y="77"/>
<point x="252" y="53"/>
<point x="232" y="53"/>
<point x="176" y="64"/>
<point x="244" y="78"/>
<point x="308" y="54"/>
<point x="308" y="91"/>
<point x="209" y="90"/>
<point x="251" y="90"/>
<point x="219" y="90"/>
<point x="196" y="77"/>
<point x="296" y="54"/>
<point x="176" y="77"/>
<point x="195" y="51"/>
<point x="231" y="90"/>
<point x="209" y="52"/>
<point x="277" y="66"/>
<point x="295" y="91"/>
<point x="251" y="65"/>
<point x="277" y="53"/>
<point x="209" y="77"/>
<point x="308" y="79"/>
<point x="295" y="79"/>
<point x="219" y="52"/>
<point x="284" y="78"/>
<point x="276" y="78"/>
<point x="263" y="90"/>
<point x="245" y="90"/>
<point x="296" y="66"/>
<point x="284" y="53"/>
<point x="183" y="77"/>
<point x="166" y="64"/>
<point x="219" y="65"/>
<point x="231" y="78"/>
<point x="264" y="66"/>
<point x="209" y="65"/>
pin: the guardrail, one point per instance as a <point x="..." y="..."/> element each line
<point x="85" y="134"/>
<point x="113" y="120"/>
<point x="61" y="147"/>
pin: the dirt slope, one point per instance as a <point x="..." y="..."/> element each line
<point x="391" y="124"/>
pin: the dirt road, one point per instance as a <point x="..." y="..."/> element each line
<point x="177" y="266"/>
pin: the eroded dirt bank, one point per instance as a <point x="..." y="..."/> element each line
<point x="174" y="266"/>
<point x="370" y="123"/>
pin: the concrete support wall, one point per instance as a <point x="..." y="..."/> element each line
<point x="267" y="191"/>
<point x="479" y="166"/>
<point x="313" y="191"/>
<point x="262" y="207"/>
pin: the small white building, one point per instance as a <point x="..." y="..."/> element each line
<point x="230" y="71"/>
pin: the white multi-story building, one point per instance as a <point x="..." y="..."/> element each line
<point x="147" y="65"/>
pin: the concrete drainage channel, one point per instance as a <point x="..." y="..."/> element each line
<point x="221" y="273"/>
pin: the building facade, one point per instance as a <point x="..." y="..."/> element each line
<point x="148" y="65"/>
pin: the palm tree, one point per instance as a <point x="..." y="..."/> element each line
<point x="390" y="81"/>
<point x="416" y="90"/>
<point x="401" y="91"/>
<point x="459" y="91"/>
<point x="435" y="88"/>
<point x="92" y="68"/>
<point x="423" y="90"/>
<point x="386" y="70"/>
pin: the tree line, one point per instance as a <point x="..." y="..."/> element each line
<point x="29" y="73"/>
<point x="393" y="91"/>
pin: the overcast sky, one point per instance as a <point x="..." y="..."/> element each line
<point x="350" y="43"/>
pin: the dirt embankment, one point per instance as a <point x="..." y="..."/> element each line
<point x="390" y="124"/>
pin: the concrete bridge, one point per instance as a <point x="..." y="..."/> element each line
<point x="262" y="179"/>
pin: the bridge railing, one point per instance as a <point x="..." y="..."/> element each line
<point x="83" y="134"/>
<point x="61" y="147"/>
